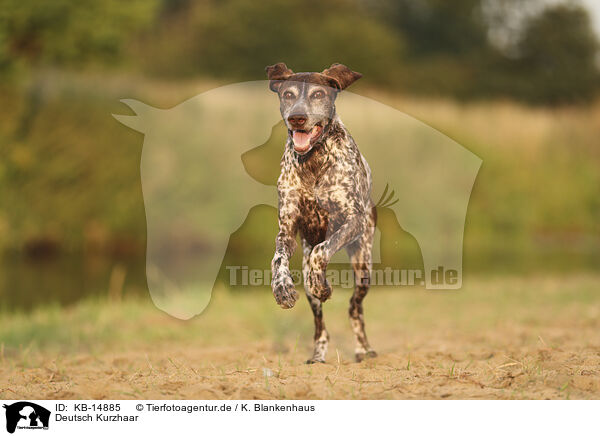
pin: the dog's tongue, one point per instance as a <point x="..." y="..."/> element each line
<point x="301" y="140"/>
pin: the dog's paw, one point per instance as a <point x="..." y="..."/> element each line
<point x="314" y="360"/>
<point x="366" y="355"/>
<point x="285" y="291"/>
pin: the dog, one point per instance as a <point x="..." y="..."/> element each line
<point x="324" y="194"/>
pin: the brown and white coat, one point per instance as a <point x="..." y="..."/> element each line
<point x="324" y="194"/>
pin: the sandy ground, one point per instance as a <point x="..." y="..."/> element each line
<point x="502" y="339"/>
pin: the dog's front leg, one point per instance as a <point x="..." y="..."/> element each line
<point x="282" y="282"/>
<point x="322" y="253"/>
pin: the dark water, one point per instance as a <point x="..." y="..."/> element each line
<point x="26" y="283"/>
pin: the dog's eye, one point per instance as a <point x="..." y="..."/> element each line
<point x="318" y="94"/>
<point x="288" y="95"/>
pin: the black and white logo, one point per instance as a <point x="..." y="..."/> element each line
<point x="26" y="415"/>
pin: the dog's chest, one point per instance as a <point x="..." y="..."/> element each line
<point x="317" y="194"/>
<point x="313" y="219"/>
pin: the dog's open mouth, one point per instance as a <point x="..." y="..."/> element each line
<point x="303" y="140"/>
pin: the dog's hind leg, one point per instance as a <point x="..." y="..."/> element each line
<point x="360" y="257"/>
<point x="321" y="338"/>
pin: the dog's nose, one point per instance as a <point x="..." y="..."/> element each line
<point x="297" y="121"/>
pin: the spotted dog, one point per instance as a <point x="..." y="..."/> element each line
<point x="324" y="193"/>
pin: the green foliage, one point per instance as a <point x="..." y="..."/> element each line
<point x="238" y="38"/>
<point x="438" y="26"/>
<point x="64" y="32"/>
<point x="558" y="54"/>
<point x="431" y="47"/>
<point x="552" y="59"/>
<point x="76" y="170"/>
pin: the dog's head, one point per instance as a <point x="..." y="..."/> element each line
<point x="307" y="100"/>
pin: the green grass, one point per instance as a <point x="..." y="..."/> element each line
<point x="233" y="318"/>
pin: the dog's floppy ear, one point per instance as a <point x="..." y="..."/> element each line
<point x="276" y="74"/>
<point x="342" y="76"/>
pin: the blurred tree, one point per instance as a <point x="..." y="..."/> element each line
<point x="38" y="33"/>
<point x="433" y="27"/>
<point x="64" y="32"/>
<point x="173" y="6"/>
<point x="236" y="39"/>
<point x="448" y="50"/>
<point x="557" y="56"/>
<point x="505" y="20"/>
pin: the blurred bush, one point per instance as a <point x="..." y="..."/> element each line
<point x="431" y="47"/>
<point x="35" y="33"/>
<point x="236" y="39"/>
<point x="562" y="62"/>
<point x="533" y="50"/>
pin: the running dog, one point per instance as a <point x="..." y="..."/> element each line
<point x="325" y="194"/>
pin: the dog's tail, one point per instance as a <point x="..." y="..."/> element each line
<point x="386" y="199"/>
